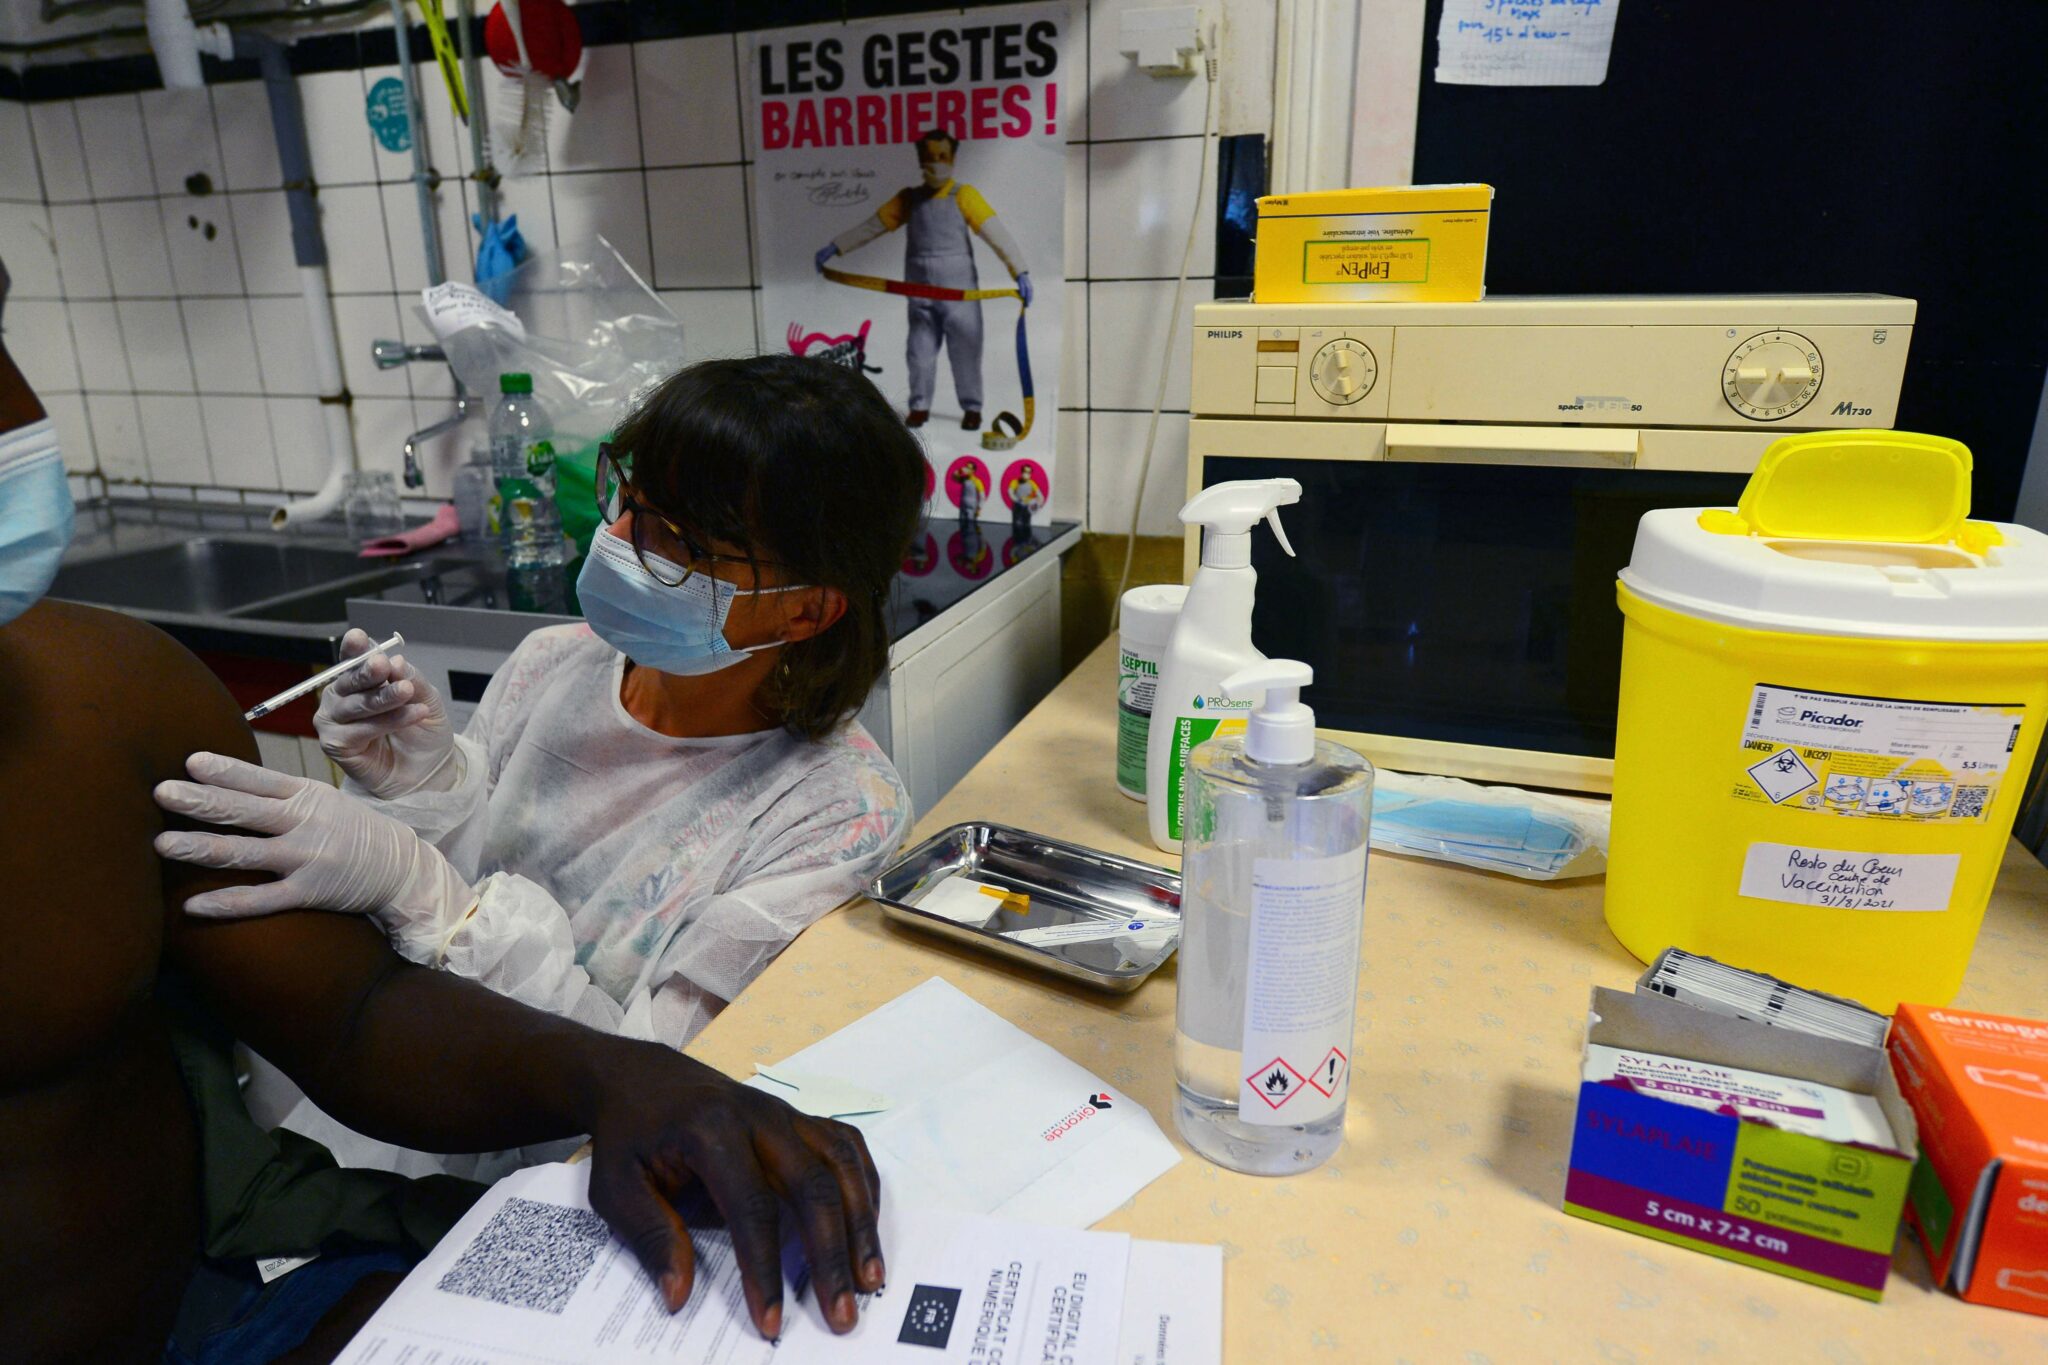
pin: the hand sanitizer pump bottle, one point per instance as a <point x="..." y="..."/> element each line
<point x="1272" y="906"/>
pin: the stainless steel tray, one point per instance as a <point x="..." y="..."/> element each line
<point x="1067" y="884"/>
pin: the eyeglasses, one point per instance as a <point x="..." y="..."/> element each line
<point x="615" y="498"/>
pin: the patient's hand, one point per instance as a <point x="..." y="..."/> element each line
<point x="667" y="1124"/>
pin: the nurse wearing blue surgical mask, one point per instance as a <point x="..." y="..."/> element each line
<point x="647" y="807"/>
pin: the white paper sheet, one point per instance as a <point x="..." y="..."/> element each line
<point x="984" y="1118"/>
<point x="531" y="1276"/>
<point x="1525" y="42"/>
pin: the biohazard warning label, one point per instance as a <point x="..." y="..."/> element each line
<point x="1302" y="990"/>
<point x="1875" y="757"/>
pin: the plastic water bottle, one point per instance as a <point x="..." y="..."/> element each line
<point x="474" y="484"/>
<point x="522" y="515"/>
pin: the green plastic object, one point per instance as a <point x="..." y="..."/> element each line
<point x="576" y="495"/>
<point x="515" y="382"/>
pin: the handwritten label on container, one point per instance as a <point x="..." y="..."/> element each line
<point x="1841" y="879"/>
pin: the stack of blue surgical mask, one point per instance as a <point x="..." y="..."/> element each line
<point x="1495" y="829"/>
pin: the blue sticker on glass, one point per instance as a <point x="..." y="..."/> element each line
<point x="388" y="118"/>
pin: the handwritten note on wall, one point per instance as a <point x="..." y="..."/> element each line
<point x="1840" y="879"/>
<point x="1525" y="42"/>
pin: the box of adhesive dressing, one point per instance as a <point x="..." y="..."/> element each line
<point x="1978" y="1084"/>
<point x="1766" y="1146"/>
<point x="1402" y="244"/>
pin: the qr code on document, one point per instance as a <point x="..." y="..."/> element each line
<point x="530" y="1255"/>
<point x="1970" y="802"/>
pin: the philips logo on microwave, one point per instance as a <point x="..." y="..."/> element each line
<point x="1845" y="408"/>
<point x="1225" y="334"/>
<point x="1214" y="703"/>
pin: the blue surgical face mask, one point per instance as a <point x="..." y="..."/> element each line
<point x="671" y="630"/>
<point x="35" y="516"/>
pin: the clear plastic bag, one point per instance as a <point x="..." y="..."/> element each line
<point x="1534" y="835"/>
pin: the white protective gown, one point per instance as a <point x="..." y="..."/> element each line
<point x="627" y="879"/>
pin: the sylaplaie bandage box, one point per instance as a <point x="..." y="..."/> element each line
<point x="1764" y="1146"/>
<point x="1402" y="244"/>
<point x="1978" y="1084"/>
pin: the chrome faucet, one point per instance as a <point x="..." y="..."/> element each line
<point x="389" y="355"/>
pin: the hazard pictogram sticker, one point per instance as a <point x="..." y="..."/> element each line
<point x="1275" y="1082"/>
<point x="1329" y="1072"/>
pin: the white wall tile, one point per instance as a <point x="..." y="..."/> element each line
<point x="18" y="176"/>
<point x="1116" y="444"/>
<point x="1076" y="203"/>
<point x="1074" y="346"/>
<point x="116" y="157"/>
<point x="200" y="233"/>
<point x="604" y="132"/>
<point x="689" y="100"/>
<point x="223" y="346"/>
<point x="1070" y="467"/>
<point x="1128" y="332"/>
<point x="526" y="197"/>
<point x="39" y="337"/>
<point x="284" y="347"/>
<point x="30" y="254"/>
<point x="117" y="435"/>
<point x="59" y="151"/>
<point x="382" y="424"/>
<point x="102" y="358"/>
<point x="408" y="249"/>
<point x="238" y="438"/>
<point x="248" y="145"/>
<point x="717" y="323"/>
<point x="133" y="233"/>
<point x="700" y="235"/>
<point x="263" y="239"/>
<point x="74" y="433"/>
<point x="608" y="204"/>
<point x="338" y="128"/>
<point x="1139" y="197"/>
<point x="174" y="438"/>
<point x="81" y="260"/>
<point x="1122" y="100"/>
<point x="182" y="140"/>
<point x="362" y="320"/>
<point x="301" y="439"/>
<point x="159" y="358"/>
<point x="358" y="257"/>
<point x="433" y="383"/>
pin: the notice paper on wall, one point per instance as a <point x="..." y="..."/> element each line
<point x="1525" y="42"/>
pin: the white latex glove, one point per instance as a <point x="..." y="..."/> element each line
<point x="384" y="724"/>
<point x="330" y="851"/>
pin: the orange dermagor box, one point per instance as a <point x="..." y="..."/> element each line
<point x="1978" y="1084"/>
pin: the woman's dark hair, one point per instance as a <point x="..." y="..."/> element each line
<point x="932" y="137"/>
<point x="804" y="464"/>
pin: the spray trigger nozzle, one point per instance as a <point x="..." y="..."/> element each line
<point x="1273" y="520"/>
<point x="1281" y="729"/>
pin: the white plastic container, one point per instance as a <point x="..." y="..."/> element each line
<point x="1272" y="907"/>
<point x="1212" y="640"/>
<point x="1146" y="620"/>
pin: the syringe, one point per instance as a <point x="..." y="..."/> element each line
<point x="320" y="679"/>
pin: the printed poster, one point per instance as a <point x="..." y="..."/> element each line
<point x="908" y="200"/>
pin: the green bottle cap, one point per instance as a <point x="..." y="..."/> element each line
<point x="515" y="383"/>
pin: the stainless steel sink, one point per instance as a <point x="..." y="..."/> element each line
<point x="209" y="575"/>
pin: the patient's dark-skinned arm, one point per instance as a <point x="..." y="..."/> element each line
<point x="432" y="1061"/>
<point x="18" y="403"/>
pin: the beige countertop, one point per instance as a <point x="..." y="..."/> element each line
<point x="1435" y="1233"/>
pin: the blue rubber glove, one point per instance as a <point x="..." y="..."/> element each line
<point x="826" y="253"/>
<point x="1024" y="288"/>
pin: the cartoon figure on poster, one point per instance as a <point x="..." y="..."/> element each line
<point x="940" y="217"/>
<point x="937" y="136"/>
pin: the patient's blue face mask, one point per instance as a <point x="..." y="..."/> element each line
<point x="671" y="630"/>
<point x="35" y="516"/>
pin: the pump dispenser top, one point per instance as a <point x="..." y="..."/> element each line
<point x="1281" y="730"/>
<point x="1228" y="511"/>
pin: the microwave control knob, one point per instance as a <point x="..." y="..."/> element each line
<point x="1772" y="375"/>
<point x="1343" y="372"/>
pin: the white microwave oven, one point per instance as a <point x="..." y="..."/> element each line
<point x="1472" y="477"/>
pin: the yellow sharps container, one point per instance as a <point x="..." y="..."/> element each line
<point x="1830" y="701"/>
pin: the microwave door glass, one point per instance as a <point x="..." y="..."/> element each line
<point x="1468" y="603"/>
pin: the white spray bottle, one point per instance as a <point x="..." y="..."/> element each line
<point x="1212" y="640"/>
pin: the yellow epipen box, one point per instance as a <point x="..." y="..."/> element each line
<point x="1400" y="244"/>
